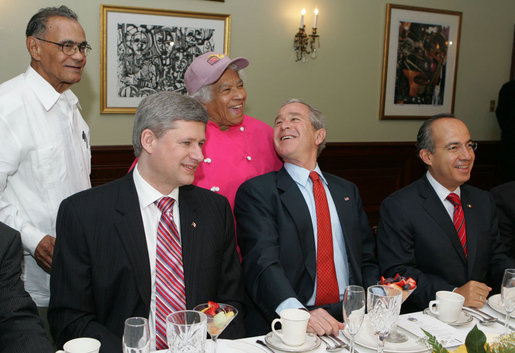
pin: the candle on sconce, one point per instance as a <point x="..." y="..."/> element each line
<point x="302" y="13"/>
<point x="316" y="18"/>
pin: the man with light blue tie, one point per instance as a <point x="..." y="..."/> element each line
<point x="303" y="233"/>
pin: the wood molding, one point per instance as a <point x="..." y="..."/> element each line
<point x="377" y="168"/>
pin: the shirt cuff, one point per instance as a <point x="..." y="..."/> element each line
<point x="290" y="303"/>
<point x="30" y="237"/>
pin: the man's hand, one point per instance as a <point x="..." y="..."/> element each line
<point x="44" y="252"/>
<point x="322" y="323"/>
<point x="475" y="293"/>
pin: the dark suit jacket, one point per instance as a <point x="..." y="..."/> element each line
<point x="416" y="238"/>
<point x="504" y="196"/>
<point x="21" y="330"/>
<point x="101" y="271"/>
<point x="276" y="239"/>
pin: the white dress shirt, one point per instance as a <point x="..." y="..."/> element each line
<point x="44" y="158"/>
<point x="442" y="193"/>
<point x="301" y="177"/>
<point x="151" y="215"/>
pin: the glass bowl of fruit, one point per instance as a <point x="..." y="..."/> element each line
<point x="219" y="316"/>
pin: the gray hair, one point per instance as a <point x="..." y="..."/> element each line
<point x="316" y="118"/>
<point x="203" y="95"/>
<point x="159" y="111"/>
<point x="37" y="24"/>
<point x="425" y="133"/>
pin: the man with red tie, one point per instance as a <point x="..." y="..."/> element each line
<point x="303" y="234"/>
<point x="438" y="230"/>
<point x="149" y="243"/>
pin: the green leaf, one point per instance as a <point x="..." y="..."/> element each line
<point x="435" y="345"/>
<point x="475" y="341"/>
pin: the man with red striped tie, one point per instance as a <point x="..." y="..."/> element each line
<point x="149" y="243"/>
<point x="439" y="230"/>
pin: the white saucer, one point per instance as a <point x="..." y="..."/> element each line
<point x="495" y="302"/>
<point x="274" y="341"/>
<point x="463" y="319"/>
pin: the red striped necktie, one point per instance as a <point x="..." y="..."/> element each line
<point x="458" y="219"/>
<point x="170" y="290"/>
<point x="327" y="284"/>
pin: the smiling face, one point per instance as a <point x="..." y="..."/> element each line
<point x="48" y="59"/>
<point x="453" y="157"/>
<point x="295" y="139"/>
<point x="170" y="161"/>
<point x="228" y="98"/>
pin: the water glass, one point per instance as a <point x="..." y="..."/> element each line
<point x="186" y="331"/>
<point x="136" y="335"/>
<point x="384" y="306"/>
<point x="508" y="296"/>
<point x="353" y="311"/>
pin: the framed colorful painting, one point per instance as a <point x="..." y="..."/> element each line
<point x="420" y="62"/>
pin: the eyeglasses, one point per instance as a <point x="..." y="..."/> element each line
<point x="456" y="147"/>
<point x="70" y="48"/>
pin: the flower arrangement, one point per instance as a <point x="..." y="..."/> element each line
<point x="475" y="342"/>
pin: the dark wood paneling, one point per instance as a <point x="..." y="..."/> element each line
<point x="377" y="168"/>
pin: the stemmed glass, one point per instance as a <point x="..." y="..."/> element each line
<point x="353" y="311"/>
<point x="395" y="336"/>
<point x="508" y="296"/>
<point x="384" y="306"/>
<point x="217" y="323"/>
<point x="136" y="335"/>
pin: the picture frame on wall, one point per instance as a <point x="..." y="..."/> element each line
<point x="420" y="60"/>
<point x="148" y="50"/>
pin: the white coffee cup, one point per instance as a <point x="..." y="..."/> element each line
<point x="448" y="305"/>
<point x="81" y="345"/>
<point x="294" y="323"/>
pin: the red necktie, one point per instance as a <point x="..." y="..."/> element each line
<point x="170" y="290"/>
<point x="459" y="220"/>
<point x="327" y="284"/>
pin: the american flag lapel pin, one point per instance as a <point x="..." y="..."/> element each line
<point x="469" y="205"/>
<point x="346" y="198"/>
<point x="194" y="224"/>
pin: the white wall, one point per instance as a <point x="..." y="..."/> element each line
<point x="344" y="81"/>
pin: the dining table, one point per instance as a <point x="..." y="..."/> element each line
<point x="366" y="341"/>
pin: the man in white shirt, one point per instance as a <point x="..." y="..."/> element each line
<point x="45" y="155"/>
<point x="439" y="230"/>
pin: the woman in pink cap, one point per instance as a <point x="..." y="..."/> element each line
<point x="238" y="147"/>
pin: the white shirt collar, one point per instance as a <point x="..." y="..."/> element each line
<point x="301" y="175"/>
<point x="147" y="194"/>
<point x="46" y="93"/>
<point x="441" y="190"/>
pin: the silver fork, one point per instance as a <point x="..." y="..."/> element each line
<point x="336" y="343"/>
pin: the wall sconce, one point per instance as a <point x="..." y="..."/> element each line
<point x="304" y="44"/>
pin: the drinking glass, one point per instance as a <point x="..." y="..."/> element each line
<point x="508" y="296"/>
<point x="384" y="306"/>
<point x="353" y="311"/>
<point x="217" y="323"/>
<point x="186" y="331"/>
<point x="136" y="335"/>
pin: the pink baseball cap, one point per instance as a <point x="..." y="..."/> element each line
<point x="207" y="69"/>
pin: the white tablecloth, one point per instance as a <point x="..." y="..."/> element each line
<point x="249" y="345"/>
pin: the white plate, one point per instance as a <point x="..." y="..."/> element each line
<point x="312" y="342"/>
<point x="495" y="303"/>
<point x="366" y="338"/>
<point x="463" y="319"/>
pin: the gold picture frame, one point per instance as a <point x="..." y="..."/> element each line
<point x="421" y="48"/>
<point x="148" y="50"/>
